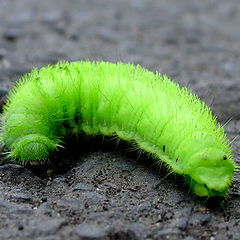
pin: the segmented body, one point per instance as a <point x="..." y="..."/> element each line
<point x="124" y="100"/>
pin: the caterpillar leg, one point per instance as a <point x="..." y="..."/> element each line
<point x="34" y="148"/>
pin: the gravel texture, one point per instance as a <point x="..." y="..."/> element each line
<point x="104" y="192"/>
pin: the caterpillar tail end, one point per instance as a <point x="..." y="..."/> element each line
<point x="32" y="149"/>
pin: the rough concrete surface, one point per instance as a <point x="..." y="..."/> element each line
<point x="103" y="193"/>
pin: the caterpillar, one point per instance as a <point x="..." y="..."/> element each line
<point x="136" y="105"/>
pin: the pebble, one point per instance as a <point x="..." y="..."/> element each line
<point x="83" y="187"/>
<point x="11" y="34"/>
<point x="193" y="36"/>
<point x="143" y="207"/>
<point x="49" y="238"/>
<point x="176" y="197"/>
<point x="18" y="197"/>
<point x="111" y="215"/>
<point x="5" y="234"/>
<point x="45" y="209"/>
<point x="50" y="17"/>
<point x="14" y="170"/>
<point x="20" y="227"/>
<point x="137" y="231"/>
<point x="171" y="38"/>
<point x="90" y="232"/>
<point x="17" y="175"/>
<point x="106" y="35"/>
<point x="14" y="208"/>
<point x="5" y="204"/>
<point x="122" y="234"/>
<point x="202" y="218"/>
<point x="161" y="234"/>
<point x="189" y="238"/>
<point x="44" y="226"/>
<point x="92" y="198"/>
<point x="127" y="166"/>
<point x="182" y="218"/>
<point x="59" y="180"/>
<point x="3" y="53"/>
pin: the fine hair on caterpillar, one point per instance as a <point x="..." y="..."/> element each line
<point x="134" y="104"/>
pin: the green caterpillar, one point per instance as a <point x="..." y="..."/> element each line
<point x="50" y="104"/>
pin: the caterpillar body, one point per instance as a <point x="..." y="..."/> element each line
<point x="120" y="99"/>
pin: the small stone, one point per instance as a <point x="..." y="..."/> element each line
<point x="189" y="238"/>
<point x="131" y="49"/>
<point x="13" y="170"/>
<point x="49" y="238"/>
<point x="137" y="231"/>
<point x="235" y="194"/>
<point x="20" y="198"/>
<point x="204" y="218"/>
<point x="111" y="188"/>
<point x="20" y="227"/>
<point x="44" y="226"/>
<point x="85" y="167"/>
<point x="171" y="39"/>
<point x="6" y="234"/>
<point x="83" y="187"/>
<point x="44" y="199"/>
<point x="192" y="36"/>
<point x="121" y="234"/>
<point x="200" y="218"/>
<point x="230" y="234"/>
<point x="5" y="204"/>
<point x="92" y="198"/>
<point x="17" y="177"/>
<point x="127" y="166"/>
<point x="50" y="17"/>
<point x="182" y="218"/>
<point x="15" y="208"/>
<point x="90" y="231"/>
<point x="3" y="53"/>
<point x="106" y="35"/>
<point x="175" y="198"/>
<point x="143" y="207"/>
<point x="166" y="232"/>
<point x="11" y="34"/>
<point x="45" y="209"/>
<point x="110" y="215"/>
<point x="110" y="185"/>
<point x="60" y="180"/>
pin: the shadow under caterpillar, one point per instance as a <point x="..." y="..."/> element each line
<point x="169" y="122"/>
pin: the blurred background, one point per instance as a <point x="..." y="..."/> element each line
<point x="196" y="43"/>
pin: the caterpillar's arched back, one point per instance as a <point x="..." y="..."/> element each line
<point x="124" y="100"/>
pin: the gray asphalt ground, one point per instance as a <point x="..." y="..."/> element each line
<point x="100" y="192"/>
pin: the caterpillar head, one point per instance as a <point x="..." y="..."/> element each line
<point x="211" y="173"/>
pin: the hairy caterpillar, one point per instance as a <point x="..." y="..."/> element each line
<point x="124" y="100"/>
